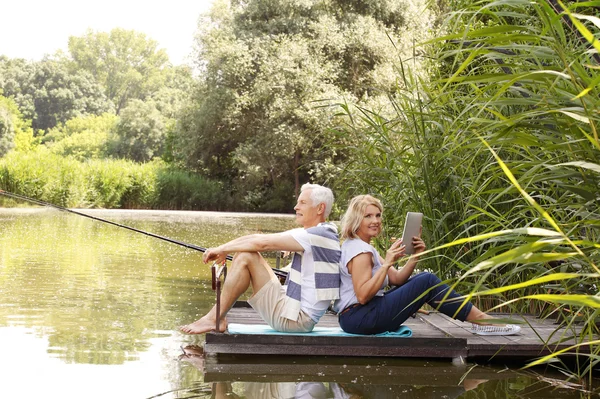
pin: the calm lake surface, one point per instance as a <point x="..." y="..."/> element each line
<point x="90" y="310"/>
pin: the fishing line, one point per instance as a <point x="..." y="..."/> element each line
<point x="278" y="272"/>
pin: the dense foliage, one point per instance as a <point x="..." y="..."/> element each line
<point x="113" y="97"/>
<point x="15" y="132"/>
<point x="48" y="93"/>
<point x="104" y="183"/>
<point x="127" y="64"/>
<point x="7" y="130"/>
<point x="499" y="149"/>
<point x="256" y="117"/>
<point x="270" y="72"/>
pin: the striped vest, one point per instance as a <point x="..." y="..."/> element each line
<point x="326" y="252"/>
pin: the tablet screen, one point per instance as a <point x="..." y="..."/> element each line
<point x="412" y="227"/>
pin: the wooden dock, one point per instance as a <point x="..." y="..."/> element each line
<point x="434" y="336"/>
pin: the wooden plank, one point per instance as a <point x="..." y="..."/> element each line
<point x="527" y="344"/>
<point x="337" y="341"/>
<point x="268" y="348"/>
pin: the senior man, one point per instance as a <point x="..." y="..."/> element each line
<point x="313" y="281"/>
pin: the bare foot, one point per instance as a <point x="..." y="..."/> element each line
<point x="193" y="354"/>
<point x="472" y="384"/>
<point x="204" y="325"/>
<point x="482" y="319"/>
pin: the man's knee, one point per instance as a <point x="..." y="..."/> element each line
<point x="246" y="258"/>
<point x="251" y="261"/>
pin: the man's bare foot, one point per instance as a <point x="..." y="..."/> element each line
<point x="193" y="354"/>
<point x="472" y="384"/>
<point x="204" y="325"/>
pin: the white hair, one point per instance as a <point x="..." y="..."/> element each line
<point x="320" y="195"/>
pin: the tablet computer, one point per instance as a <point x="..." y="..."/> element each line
<point x="412" y="228"/>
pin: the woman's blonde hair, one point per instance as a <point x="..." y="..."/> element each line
<point x="355" y="213"/>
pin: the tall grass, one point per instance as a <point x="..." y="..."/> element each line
<point x="107" y="183"/>
<point x="499" y="149"/>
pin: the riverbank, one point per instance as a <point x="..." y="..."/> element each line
<point x="150" y="214"/>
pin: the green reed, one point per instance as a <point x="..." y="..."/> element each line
<point x="501" y="137"/>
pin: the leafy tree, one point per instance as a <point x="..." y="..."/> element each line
<point x="175" y="93"/>
<point x="16" y="76"/>
<point x="15" y="132"/>
<point x="126" y="63"/>
<point x="61" y="95"/>
<point x="48" y="93"/>
<point x="7" y="130"/>
<point x="170" y="99"/>
<point x="140" y="131"/>
<point x="270" y="70"/>
<point x="83" y="137"/>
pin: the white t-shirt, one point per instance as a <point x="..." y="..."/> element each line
<point x="351" y="248"/>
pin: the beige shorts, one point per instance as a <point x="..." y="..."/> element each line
<point x="270" y="301"/>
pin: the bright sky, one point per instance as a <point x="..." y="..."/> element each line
<point x="32" y="28"/>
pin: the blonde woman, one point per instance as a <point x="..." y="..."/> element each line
<point x="364" y="307"/>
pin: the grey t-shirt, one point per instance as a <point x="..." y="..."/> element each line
<point x="350" y="249"/>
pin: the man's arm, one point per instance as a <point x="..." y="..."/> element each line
<point x="253" y="243"/>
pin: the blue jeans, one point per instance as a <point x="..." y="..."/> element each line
<point x="388" y="312"/>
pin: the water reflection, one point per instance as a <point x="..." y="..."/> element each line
<point x="82" y="298"/>
<point x="522" y="388"/>
<point x="344" y="378"/>
<point x="320" y="390"/>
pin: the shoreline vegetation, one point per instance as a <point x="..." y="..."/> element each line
<point x="20" y="207"/>
<point x="107" y="183"/>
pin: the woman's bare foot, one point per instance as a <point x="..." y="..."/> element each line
<point x="204" y="325"/>
<point x="476" y="316"/>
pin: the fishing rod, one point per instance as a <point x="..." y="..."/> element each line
<point x="279" y="273"/>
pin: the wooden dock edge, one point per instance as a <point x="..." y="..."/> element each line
<point x="300" y="345"/>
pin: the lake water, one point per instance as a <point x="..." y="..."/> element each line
<point x="90" y="310"/>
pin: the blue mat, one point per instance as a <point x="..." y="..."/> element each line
<point x="233" y="328"/>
